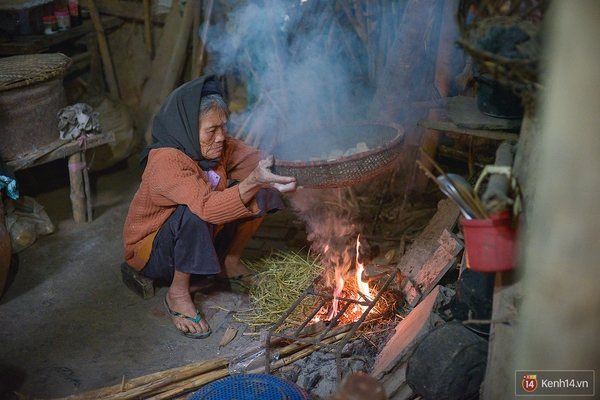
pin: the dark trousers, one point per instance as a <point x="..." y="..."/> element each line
<point x="188" y="244"/>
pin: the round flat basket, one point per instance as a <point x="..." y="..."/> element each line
<point x="339" y="155"/>
<point x="250" y="387"/>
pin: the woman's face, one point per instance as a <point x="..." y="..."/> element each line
<point x="212" y="133"/>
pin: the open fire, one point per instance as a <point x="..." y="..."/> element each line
<point x="356" y="290"/>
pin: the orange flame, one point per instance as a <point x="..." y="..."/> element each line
<point x="363" y="287"/>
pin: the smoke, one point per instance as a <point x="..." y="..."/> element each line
<point x="299" y="70"/>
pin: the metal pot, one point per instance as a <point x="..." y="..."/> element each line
<point x="497" y="100"/>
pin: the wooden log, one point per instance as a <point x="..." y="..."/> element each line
<point x="496" y="198"/>
<point x="77" y="187"/>
<point x="104" y="51"/>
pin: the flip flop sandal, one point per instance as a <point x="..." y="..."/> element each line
<point x="192" y="335"/>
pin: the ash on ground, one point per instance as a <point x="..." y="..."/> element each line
<point x="317" y="373"/>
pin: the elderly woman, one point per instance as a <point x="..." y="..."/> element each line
<point x="184" y="218"/>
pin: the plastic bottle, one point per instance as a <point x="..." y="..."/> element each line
<point x="63" y="19"/>
<point x="74" y="12"/>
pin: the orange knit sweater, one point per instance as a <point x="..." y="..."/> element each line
<point x="172" y="178"/>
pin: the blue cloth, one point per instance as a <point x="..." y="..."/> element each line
<point x="10" y="185"/>
<point x="8" y="180"/>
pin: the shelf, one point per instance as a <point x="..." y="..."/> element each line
<point x="38" y="43"/>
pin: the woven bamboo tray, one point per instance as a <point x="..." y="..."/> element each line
<point x="300" y="156"/>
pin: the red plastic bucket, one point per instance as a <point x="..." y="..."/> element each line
<point x="490" y="244"/>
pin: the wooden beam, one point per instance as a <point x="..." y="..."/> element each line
<point x="451" y="127"/>
<point x="127" y="9"/>
<point x="58" y="149"/>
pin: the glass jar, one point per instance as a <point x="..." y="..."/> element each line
<point x="50" y="24"/>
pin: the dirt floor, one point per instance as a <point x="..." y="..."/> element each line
<point x="68" y="324"/>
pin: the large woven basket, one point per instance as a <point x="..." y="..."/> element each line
<point x="476" y="17"/>
<point x="31" y="95"/>
<point x="302" y="155"/>
<point x="26" y="69"/>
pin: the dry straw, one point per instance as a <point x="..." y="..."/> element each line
<point x="283" y="277"/>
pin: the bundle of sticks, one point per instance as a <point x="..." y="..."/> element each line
<point x="177" y="383"/>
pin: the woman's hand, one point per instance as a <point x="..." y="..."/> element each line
<point x="262" y="177"/>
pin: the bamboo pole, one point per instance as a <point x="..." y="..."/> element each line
<point x="195" y="37"/>
<point x="111" y="391"/>
<point x="200" y="60"/>
<point x="111" y="78"/>
<point x="176" y="61"/>
<point x="196" y="382"/>
<point x="148" y="28"/>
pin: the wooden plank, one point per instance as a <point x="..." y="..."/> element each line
<point x="463" y="111"/>
<point x="390" y="365"/>
<point x="451" y="127"/>
<point x="37" y="43"/>
<point x="426" y="243"/>
<point x="434" y="269"/>
<point x="59" y="149"/>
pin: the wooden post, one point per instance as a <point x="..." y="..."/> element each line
<point x="559" y="327"/>
<point x="77" y="187"/>
<point x="104" y="52"/>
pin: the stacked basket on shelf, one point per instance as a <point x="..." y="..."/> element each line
<point x="503" y="38"/>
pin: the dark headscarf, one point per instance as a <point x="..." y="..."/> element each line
<point x="176" y="123"/>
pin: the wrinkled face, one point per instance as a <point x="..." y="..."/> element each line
<point x="212" y="133"/>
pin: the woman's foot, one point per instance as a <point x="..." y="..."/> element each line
<point x="179" y="301"/>
<point x="234" y="270"/>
